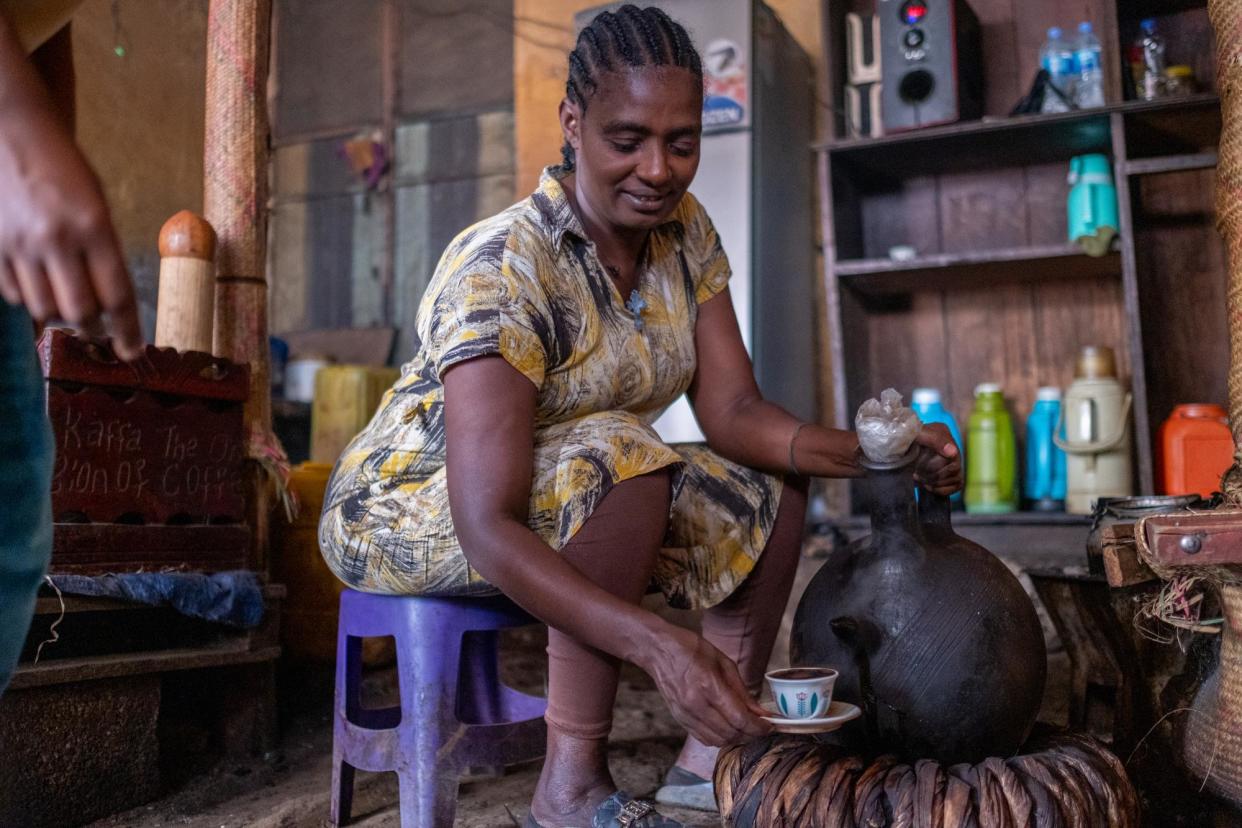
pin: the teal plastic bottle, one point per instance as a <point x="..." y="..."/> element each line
<point x="1091" y="206"/>
<point x="991" y="455"/>
<point x="926" y="403"/>
<point x="1044" y="480"/>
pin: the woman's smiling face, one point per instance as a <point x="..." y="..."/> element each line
<point x="636" y="147"/>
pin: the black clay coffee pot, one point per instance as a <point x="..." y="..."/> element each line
<point x="933" y="636"/>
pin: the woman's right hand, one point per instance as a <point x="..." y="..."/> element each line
<point x="703" y="689"/>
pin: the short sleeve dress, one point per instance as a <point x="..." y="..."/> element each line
<point x="528" y="286"/>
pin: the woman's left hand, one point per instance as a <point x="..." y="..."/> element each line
<point x="938" y="468"/>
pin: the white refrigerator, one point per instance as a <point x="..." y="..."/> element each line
<point x="756" y="182"/>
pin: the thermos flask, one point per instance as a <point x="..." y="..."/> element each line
<point x="1096" y="412"/>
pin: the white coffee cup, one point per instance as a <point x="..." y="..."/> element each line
<point x="802" y="692"/>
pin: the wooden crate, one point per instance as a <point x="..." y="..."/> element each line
<point x="149" y="458"/>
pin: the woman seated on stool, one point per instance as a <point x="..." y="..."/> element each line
<point x="516" y="451"/>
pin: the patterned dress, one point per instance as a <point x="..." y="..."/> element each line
<point x="527" y="285"/>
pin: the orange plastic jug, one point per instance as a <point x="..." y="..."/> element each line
<point x="1195" y="448"/>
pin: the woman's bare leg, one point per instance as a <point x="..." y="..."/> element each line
<point x="744" y="625"/>
<point x="616" y="548"/>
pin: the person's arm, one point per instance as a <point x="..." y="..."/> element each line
<point x="489" y="424"/>
<point x="742" y="426"/>
<point x="58" y="252"/>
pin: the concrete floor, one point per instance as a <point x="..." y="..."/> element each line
<point x="289" y="788"/>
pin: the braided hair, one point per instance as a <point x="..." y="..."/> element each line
<point x="628" y="37"/>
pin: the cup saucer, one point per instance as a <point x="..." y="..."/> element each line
<point x="839" y="712"/>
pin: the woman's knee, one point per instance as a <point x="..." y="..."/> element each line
<point x="619" y="543"/>
<point x="634" y="512"/>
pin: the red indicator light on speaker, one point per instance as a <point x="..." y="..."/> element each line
<point x="913" y="12"/>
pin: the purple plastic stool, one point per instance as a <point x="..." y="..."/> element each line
<point x="454" y="713"/>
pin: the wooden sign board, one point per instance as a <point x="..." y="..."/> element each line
<point x="155" y="443"/>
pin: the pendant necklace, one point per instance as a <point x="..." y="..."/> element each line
<point x="636" y="304"/>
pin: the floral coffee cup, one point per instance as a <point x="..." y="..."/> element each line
<point x="802" y="692"/>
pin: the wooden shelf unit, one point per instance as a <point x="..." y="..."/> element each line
<point x="954" y="270"/>
<point x="995" y="291"/>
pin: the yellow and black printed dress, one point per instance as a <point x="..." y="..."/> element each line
<point x="527" y="285"/>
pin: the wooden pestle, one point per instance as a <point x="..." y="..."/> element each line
<point x="187" y="293"/>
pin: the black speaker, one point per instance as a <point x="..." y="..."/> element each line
<point x="931" y="63"/>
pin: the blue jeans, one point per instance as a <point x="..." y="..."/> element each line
<point x="26" y="454"/>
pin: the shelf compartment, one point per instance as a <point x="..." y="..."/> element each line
<point x="1020" y="518"/>
<point x="1186" y="125"/>
<point x="942" y="271"/>
<point x="1138" y="9"/>
<point x="976" y="145"/>
<point x="1170" y="164"/>
<point x="1024" y="539"/>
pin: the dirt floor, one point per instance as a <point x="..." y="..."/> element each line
<point x="289" y="788"/>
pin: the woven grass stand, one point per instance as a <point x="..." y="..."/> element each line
<point x="235" y="156"/>
<point x="235" y="153"/>
<point x="796" y="781"/>
<point x="1210" y="546"/>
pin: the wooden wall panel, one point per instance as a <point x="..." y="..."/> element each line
<point x="984" y="210"/>
<point x="987" y="210"/>
<point x="314" y="36"/>
<point x="856" y="332"/>
<point x="907" y="347"/>
<point x="990" y="340"/>
<point x="149" y="161"/>
<point x="326" y="242"/>
<point x="904" y="215"/>
<point x="1181" y="260"/>
<point x="1073" y="314"/>
<point x="323" y="261"/>
<point x="455" y="56"/>
<point x="1002" y="80"/>
<point x="1046" y="194"/>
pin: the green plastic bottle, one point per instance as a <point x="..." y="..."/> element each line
<point x="991" y="455"/>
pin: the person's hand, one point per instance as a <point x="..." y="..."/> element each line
<point x="938" y="468"/>
<point x="703" y="690"/>
<point x="59" y="255"/>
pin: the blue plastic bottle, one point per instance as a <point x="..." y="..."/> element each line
<point x="1044" y="483"/>
<point x="1057" y="57"/>
<point x="926" y="403"/>
<point x="1089" y="87"/>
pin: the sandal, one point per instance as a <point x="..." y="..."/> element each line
<point x="622" y="811"/>
<point x="683" y="789"/>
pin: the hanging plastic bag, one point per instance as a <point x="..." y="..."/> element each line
<point x="886" y="428"/>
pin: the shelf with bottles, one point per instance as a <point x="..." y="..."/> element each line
<point x="1169" y="125"/>
<point x="1182" y="36"/>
